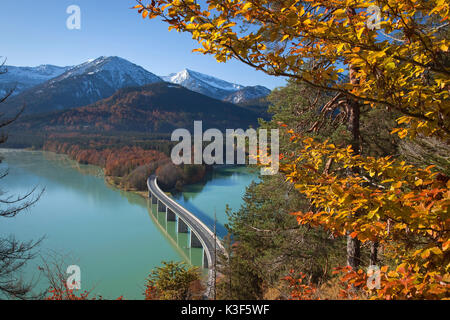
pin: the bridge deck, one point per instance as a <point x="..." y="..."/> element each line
<point x="207" y="238"/>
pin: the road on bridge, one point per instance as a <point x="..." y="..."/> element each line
<point x="207" y="238"/>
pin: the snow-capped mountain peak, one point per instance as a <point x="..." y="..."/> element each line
<point x="23" y="78"/>
<point x="116" y="71"/>
<point x="186" y="76"/>
<point x="84" y="84"/>
<point x="214" y="87"/>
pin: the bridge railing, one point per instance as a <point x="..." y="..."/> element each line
<point x="200" y="234"/>
<point x="167" y="200"/>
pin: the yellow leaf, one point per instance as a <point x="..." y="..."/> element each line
<point x="359" y="33"/>
<point x="436" y="250"/>
<point x="340" y="47"/>
<point x="390" y="66"/>
<point x="285" y="37"/>
<point x="393" y="274"/>
<point x="246" y="6"/>
<point x="340" y="13"/>
<point x="397" y="184"/>
<point x="403" y="133"/>
<point x="372" y="213"/>
<point x="425" y="254"/>
<point x="220" y="21"/>
<point x="404" y="119"/>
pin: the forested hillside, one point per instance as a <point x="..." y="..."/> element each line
<point x="154" y="108"/>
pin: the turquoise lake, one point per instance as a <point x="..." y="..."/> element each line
<point x="115" y="237"/>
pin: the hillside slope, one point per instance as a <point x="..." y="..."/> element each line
<point x="155" y="108"/>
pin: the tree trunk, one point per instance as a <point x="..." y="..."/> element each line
<point x="353" y="252"/>
<point x="353" y="244"/>
<point x="374" y="253"/>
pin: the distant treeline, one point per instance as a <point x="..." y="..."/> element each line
<point x="130" y="166"/>
<point x="86" y="139"/>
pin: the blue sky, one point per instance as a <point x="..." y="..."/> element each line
<point x="34" y="32"/>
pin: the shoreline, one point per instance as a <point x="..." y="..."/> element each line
<point x="114" y="181"/>
<point x="109" y="181"/>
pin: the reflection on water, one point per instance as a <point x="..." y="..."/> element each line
<point x="179" y="241"/>
<point x="225" y="186"/>
<point x="63" y="160"/>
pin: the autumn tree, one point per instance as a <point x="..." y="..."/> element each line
<point x="267" y="243"/>
<point x="174" y="281"/>
<point x="14" y="254"/>
<point x="403" y="65"/>
<point x="399" y="64"/>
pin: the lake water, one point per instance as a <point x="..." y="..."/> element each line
<point x="115" y="237"/>
<point x="226" y="186"/>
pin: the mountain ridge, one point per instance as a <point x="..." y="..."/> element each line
<point x="50" y="88"/>
<point x="154" y="108"/>
<point x="23" y="78"/>
<point x="215" y="87"/>
<point x="82" y="85"/>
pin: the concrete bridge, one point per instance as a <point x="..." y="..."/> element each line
<point x="200" y="235"/>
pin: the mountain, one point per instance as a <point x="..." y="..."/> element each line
<point x="23" y="78"/>
<point x="154" y="108"/>
<point x="82" y="85"/>
<point x="247" y="94"/>
<point x="216" y="88"/>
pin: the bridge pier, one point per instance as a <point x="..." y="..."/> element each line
<point x="195" y="242"/>
<point x="187" y="223"/>
<point x="161" y="207"/>
<point x="170" y="215"/>
<point x="182" y="226"/>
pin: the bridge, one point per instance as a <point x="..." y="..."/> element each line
<point x="200" y="235"/>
